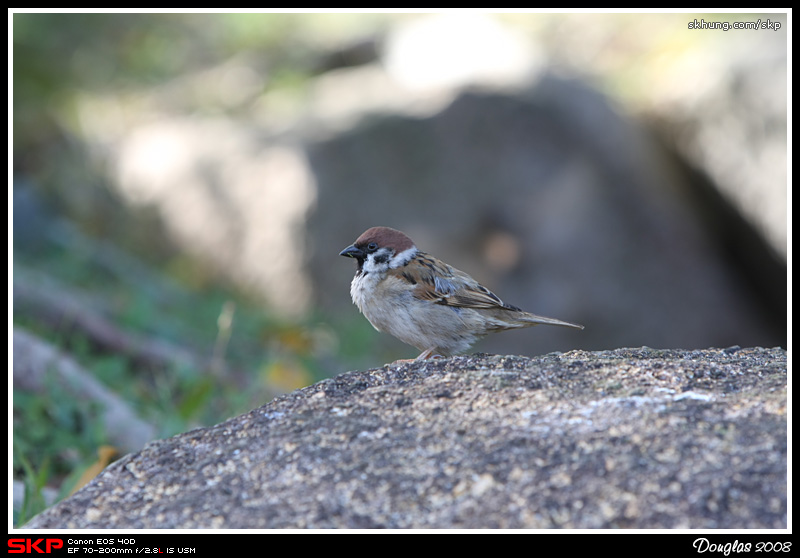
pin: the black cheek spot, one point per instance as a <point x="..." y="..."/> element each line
<point x="381" y="258"/>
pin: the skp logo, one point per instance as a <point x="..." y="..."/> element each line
<point x="29" y="546"/>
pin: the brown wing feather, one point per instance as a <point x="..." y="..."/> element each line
<point x="442" y="284"/>
<point x="430" y="279"/>
<point x="477" y="296"/>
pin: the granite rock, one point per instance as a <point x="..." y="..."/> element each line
<point x="627" y="438"/>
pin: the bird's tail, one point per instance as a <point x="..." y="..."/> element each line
<point x="534" y="319"/>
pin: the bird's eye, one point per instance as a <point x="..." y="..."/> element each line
<point x="371" y="247"/>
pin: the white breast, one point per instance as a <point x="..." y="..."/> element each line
<point x="389" y="305"/>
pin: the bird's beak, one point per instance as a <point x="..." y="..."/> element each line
<point x="352" y="252"/>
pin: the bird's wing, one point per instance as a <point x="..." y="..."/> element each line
<point x="438" y="282"/>
<point x="430" y="279"/>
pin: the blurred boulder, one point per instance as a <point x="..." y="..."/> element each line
<point x="732" y="127"/>
<point x="228" y="197"/>
<point x="553" y="199"/>
<point x="533" y="182"/>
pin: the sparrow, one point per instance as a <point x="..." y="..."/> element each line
<point x="425" y="302"/>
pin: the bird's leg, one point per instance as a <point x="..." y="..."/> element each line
<point x="428" y="354"/>
<point x="424" y="356"/>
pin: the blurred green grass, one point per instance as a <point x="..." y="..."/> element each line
<point x="240" y="366"/>
<point x="73" y="233"/>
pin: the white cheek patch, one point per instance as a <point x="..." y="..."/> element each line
<point x="382" y="260"/>
<point x="403" y="257"/>
<point x="377" y="261"/>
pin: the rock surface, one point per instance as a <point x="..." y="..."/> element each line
<point x="629" y="438"/>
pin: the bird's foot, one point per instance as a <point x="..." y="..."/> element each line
<point x="428" y="354"/>
<point x="424" y="356"/>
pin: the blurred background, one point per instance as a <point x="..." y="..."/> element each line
<point x="183" y="183"/>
